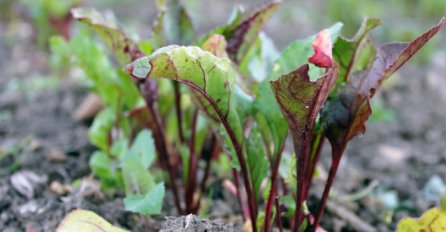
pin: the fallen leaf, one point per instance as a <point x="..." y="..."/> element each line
<point x="433" y="220"/>
<point x="85" y="221"/>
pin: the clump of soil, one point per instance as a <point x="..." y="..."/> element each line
<point x="192" y="223"/>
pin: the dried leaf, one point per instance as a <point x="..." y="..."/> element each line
<point x="85" y="221"/>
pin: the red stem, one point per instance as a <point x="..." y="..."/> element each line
<point x="149" y="97"/>
<point x="193" y="165"/>
<point x="177" y="92"/>
<point x="238" y="150"/>
<point x="278" y="215"/>
<point x="214" y="153"/>
<point x="337" y="154"/>
<point x="313" y="163"/>
<point x="239" y="195"/>
<point x="272" y="193"/>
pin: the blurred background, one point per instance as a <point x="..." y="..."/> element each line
<point x="400" y="163"/>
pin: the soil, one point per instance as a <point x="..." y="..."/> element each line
<point x="46" y="152"/>
<point x="192" y="223"/>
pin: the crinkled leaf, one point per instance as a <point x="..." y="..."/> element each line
<point x="290" y="59"/>
<point x="211" y="77"/>
<point x="148" y="204"/>
<point x="123" y="47"/>
<point x="85" y="221"/>
<point x="242" y="31"/>
<point x="300" y="100"/>
<point x="345" y="115"/>
<point x="432" y="221"/>
<point x="358" y="53"/>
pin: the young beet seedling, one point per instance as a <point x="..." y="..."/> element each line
<point x="245" y="99"/>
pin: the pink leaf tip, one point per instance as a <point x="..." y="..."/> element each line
<point x="322" y="56"/>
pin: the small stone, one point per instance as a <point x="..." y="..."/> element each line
<point x="60" y="189"/>
<point x="58" y="156"/>
<point x="25" y="182"/>
<point x="34" y="145"/>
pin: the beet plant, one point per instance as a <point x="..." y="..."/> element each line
<point x="231" y="92"/>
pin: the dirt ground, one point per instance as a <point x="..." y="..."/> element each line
<point x="397" y="169"/>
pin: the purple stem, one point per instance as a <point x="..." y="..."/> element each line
<point x="336" y="156"/>
<point x="177" y="92"/>
<point x="149" y="97"/>
<point x="193" y="165"/>
<point x="238" y="150"/>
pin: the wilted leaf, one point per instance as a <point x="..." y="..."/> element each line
<point x="322" y="56"/>
<point x="124" y="48"/>
<point x="148" y="204"/>
<point x="85" y="221"/>
<point x="433" y="220"/>
<point x="345" y="115"/>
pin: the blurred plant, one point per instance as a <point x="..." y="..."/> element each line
<point x="50" y="17"/>
<point x="231" y="92"/>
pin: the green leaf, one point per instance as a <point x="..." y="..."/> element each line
<point x="173" y="25"/>
<point x="345" y="115"/>
<point x="143" y="147"/>
<point x="211" y="77"/>
<point x="85" y="221"/>
<point x="123" y="47"/>
<point x="257" y="162"/>
<point x="356" y="54"/>
<point x="107" y="170"/>
<point x="136" y="163"/>
<point x="99" y="131"/>
<point x="432" y="221"/>
<point x="148" y="204"/>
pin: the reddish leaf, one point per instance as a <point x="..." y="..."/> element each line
<point x="322" y="50"/>
<point x="241" y="37"/>
<point x="300" y="100"/>
<point x="346" y="114"/>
